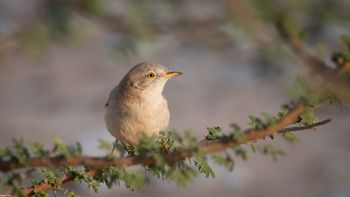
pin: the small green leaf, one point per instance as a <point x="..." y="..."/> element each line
<point x="270" y="120"/>
<point x="70" y="193"/>
<point x="272" y="151"/>
<point x="42" y="194"/>
<point x="22" y="152"/>
<point x="146" y="145"/>
<point x="61" y="148"/>
<point x="255" y="122"/>
<point x="206" y="169"/>
<point x="308" y="117"/>
<point x="235" y="127"/>
<point x="338" y="58"/>
<point x="39" y="150"/>
<point x="222" y="160"/>
<point x="134" y="181"/>
<point x="181" y="173"/>
<point x="214" y="133"/>
<point x="252" y="146"/>
<point x="105" y="145"/>
<point x="190" y="140"/>
<point x="170" y="141"/>
<point x="284" y="110"/>
<point x="51" y="176"/>
<point x="290" y="137"/>
<point x="301" y="89"/>
<point x="240" y="152"/>
<point x="239" y="136"/>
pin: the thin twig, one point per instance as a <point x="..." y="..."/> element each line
<point x="314" y="125"/>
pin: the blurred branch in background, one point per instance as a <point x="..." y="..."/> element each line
<point x="333" y="82"/>
<point x="143" y="21"/>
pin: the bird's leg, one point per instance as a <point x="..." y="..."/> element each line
<point x="115" y="142"/>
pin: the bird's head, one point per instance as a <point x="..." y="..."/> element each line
<point x="149" y="77"/>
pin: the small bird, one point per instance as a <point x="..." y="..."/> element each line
<point x="136" y="106"/>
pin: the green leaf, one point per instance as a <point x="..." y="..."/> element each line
<point x="202" y="165"/>
<point x="109" y="176"/>
<point x="222" y="160"/>
<point x="235" y="127"/>
<point x="3" y="154"/>
<point x="190" y="140"/>
<point x="94" y="7"/>
<point x="272" y="151"/>
<point x="240" y="152"/>
<point x="134" y="181"/>
<point x="303" y="90"/>
<point x="338" y="58"/>
<point x="75" y="150"/>
<point x="81" y="175"/>
<point x="308" y="117"/>
<point x="292" y="27"/>
<point x="284" y="110"/>
<point x="61" y="148"/>
<point x="290" y="137"/>
<point x="170" y="140"/>
<point x="146" y="145"/>
<point x="239" y="136"/>
<point x="39" y="150"/>
<point x="22" y="152"/>
<point x="70" y="193"/>
<point x="42" y="194"/>
<point x="347" y="76"/>
<point x="270" y="120"/>
<point x="252" y="146"/>
<point x="255" y="122"/>
<point x="346" y="42"/>
<point x="214" y="133"/>
<point x="206" y="169"/>
<point x="105" y="145"/>
<point x="159" y="168"/>
<point x="51" y="176"/>
<point x="79" y="149"/>
<point x="181" y="173"/>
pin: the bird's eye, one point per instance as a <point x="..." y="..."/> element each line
<point x="150" y="75"/>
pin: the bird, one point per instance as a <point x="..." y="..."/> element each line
<point x="136" y="107"/>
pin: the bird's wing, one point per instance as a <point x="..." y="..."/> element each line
<point x="107" y="103"/>
<point x="111" y="96"/>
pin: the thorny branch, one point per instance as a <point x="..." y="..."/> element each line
<point x="207" y="146"/>
<point x="331" y="76"/>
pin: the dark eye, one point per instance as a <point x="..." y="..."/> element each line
<point x="150" y="75"/>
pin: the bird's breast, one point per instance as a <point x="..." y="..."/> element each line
<point x="129" y="119"/>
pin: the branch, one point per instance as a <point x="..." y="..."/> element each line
<point x="332" y="76"/>
<point x="207" y="146"/>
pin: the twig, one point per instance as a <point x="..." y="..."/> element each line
<point x="314" y="125"/>
<point x="334" y="81"/>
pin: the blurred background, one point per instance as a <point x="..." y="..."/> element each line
<point x="59" y="60"/>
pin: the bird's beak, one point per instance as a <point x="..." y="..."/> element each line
<point x="172" y="74"/>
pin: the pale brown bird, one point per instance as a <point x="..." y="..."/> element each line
<point x="136" y="106"/>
